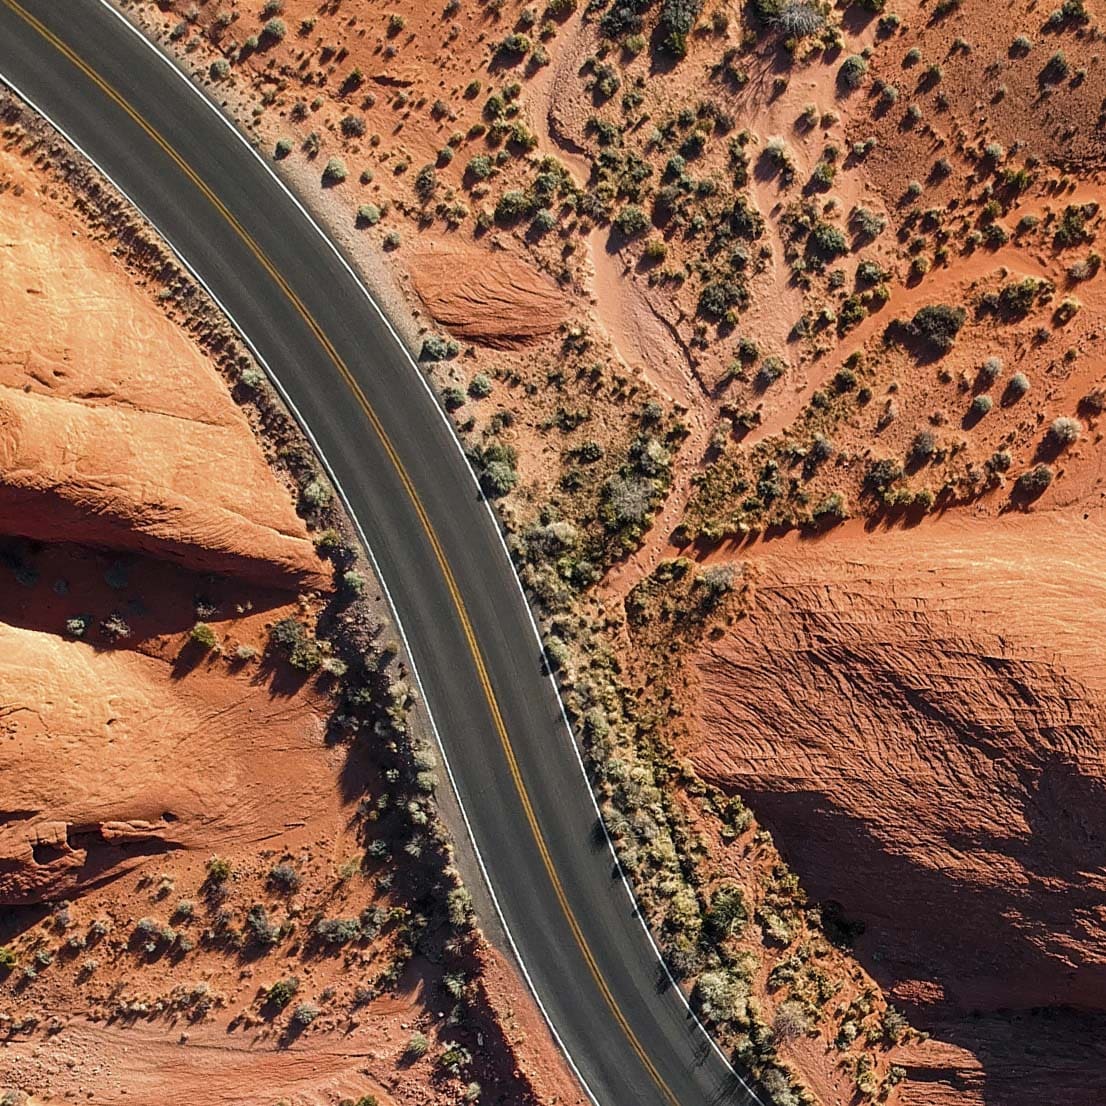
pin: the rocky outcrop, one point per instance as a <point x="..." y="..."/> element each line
<point x="115" y="430"/>
<point x="107" y="761"/>
<point x="491" y="298"/>
<point x="921" y="721"/>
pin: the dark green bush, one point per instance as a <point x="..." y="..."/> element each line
<point x="937" y="325"/>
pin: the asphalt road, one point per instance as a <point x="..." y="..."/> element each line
<point x="594" y="969"/>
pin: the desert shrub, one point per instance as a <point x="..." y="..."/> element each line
<point x="1064" y="431"/>
<point x="852" y="71"/>
<point x="631" y="221"/>
<point x="1055" y="69"/>
<point x="790" y="1022"/>
<point x="304" y="1014"/>
<point x="1034" y="482"/>
<point x="77" y="626"/>
<point x="335" y="171"/>
<point x="721" y="296"/>
<point x="352" y="126"/>
<point x="274" y="30"/>
<point x="284" y="877"/>
<point x="827" y="241"/>
<point x="727" y="913"/>
<point x="495" y="467"/>
<point x="480" y="386"/>
<point x="797" y="19"/>
<point x="771" y="369"/>
<point x="438" y="347"/>
<point x="512" y="206"/>
<point x="990" y="371"/>
<point x="1016" y="298"/>
<point x="8" y="958"/>
<point x="115" y="627"/>
<point x="821" y="178"/>
<point x="881" y="475"/>
<point x="262" y="930"/>
<point x="480" y="167"/>
<point x="315" y="494"/>
<point x="368" y="215"/>
<point x="1072" y="227"/>
<point x="282" y="992"/>
<point x="677" y="21"/>
<point x="923" y="447"/>
<point x="515" y="45"/>
<point x="291" y="638"/>
<point x="417" y="1046"/>
<point x="203" y="635"/>
<point x="454" y="1057"/>
<point x="218" y="870"/>
<point x="426" y="183"/>
<point x="336" y="931"/>
<point x="544" y="220"/>
<point x="869" y="224"/>
<point x="1066" y="310"/>
<point x="937" y="325"/>
<point x="980" y="406"/>
<point x="1016" y="388"/>
<point x="722" y="996"/>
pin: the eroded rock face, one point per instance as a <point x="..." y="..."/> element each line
<point x="115" y="431"/>
<point x="491" y="298"/>
<point x="106" y="761"/>
<point x="922" y="723"/>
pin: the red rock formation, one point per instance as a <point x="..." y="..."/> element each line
<point x="920" y="722"/>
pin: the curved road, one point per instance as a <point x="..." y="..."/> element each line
<point x="532" y="817"/>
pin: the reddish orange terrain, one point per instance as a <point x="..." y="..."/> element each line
<point x="210" y="884"/>
<point x="775" y="329"/>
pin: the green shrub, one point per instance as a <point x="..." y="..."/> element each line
<point x="631" y="221"/>
<point x="203" y="636"/>
<point x="1034" y="482"/>
<point x="77" y="626"/>
<point x="335" y="171"/>
<point x="304" y="1014"/>
<point x="827" y="241"/>
<point x="368" y="215"/>
<point x="218" y="870"/>
<point x="437" y="347"/>
<point x="1064" y="431"/>
<point x="480" y="386"/>
<point x="512" y="206"/>
<point x="282" y="992"/>
<point x="291" y="638"/>
<point x="727" y="913"/>
<point x="417" y="1046"/>
<point x="937" y="325"/>
<point x="274" y="30"/>
<point x="980" y="406"/>
<point x="677" y="21"/>
<point x="337" y="931"/>
<point x="852" y="71"/>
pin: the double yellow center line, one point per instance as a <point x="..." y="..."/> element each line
<point x="447" y="573"/>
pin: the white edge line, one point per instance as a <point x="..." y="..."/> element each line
<point x="638" y="913"/>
